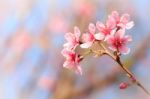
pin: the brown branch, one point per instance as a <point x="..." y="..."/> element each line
<point x="129" y="73"/>
<point x="116" y="58"/>
<point x="99" y="84"/>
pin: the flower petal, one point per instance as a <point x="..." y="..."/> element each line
<point x="120" y="33"/>
<point x="88" y="37"/>
<point x="67" y="64"/>
<point x="124" y="50"/>
<point x="129" y="25"/>
<point x="99" y="36"/>
<point x="111" y="23"/>
<point x="86" y="45"/>
<point x="115" y="15"/>
<point x="112" y="32"/>
<point x="125" y="18"/>
<point x="78" y="69"/>
<point x="69" y="37"/>
<point x="100" y="26"/>
<point x="64" y="52"/>
<point x="77" y="32"/>
<point x="92" y="28"/>
<point x="128" y="38"/>
<point x="67" y="45"/>
<point x="121" y="25"/>
<point x="112" y="47"/>
<point x="67" y="53"/>
<point x="110" y="39"/>
<point x="70" y="46"/>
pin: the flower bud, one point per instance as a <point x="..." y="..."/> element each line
<point x="123" y="85"/>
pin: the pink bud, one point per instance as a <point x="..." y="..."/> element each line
<point x="123" y="85"/>
<point x="133" y="79"/>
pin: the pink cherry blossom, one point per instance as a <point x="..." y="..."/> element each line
<point x="90" y="37"/>
<point x="118" y="41"/>
<point x="72" y="60"/>
<point x="106" y="30"/>
<point x="123" y="21"/>
<point x="73" y="39"/>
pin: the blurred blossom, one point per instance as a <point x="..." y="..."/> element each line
<point x="32" y="37"/>
<point x="21" y="41"/>
<point x="84" y="8"/>
<point x="46" y="83"/>
<point x="58" y="24"/>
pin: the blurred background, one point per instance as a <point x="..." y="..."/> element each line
<point x="31" y="38"/>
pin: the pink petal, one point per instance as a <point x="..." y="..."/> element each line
<point x="92" y="28"/>
<point x="129" y="25"/>
<point x="115" y="15"/>
<point x="112" y="47"/>
<point x="85" y="37"/>
<point x="88" y="37"/>
<point x="110" y="23"/>
<point x="100" y="26"/>
<point x="78" y="70"/>
<point x="69" y="37"/>
<point x="125" y="18"/>
<point x="64" y="52"/>
<point x="128" y="38"/>
<point x="110" y="39"/>
<point x="99" y="36"/>
<point x="121" y="25"/>
<point x="69" y="46"/>
<point x="112" y="32"/>
<point x="67" y="53"/>
<point x="124" y="50"/>
<point x="86" y="45"/>
<point x="120" y="33"/>
<point x="77" y="32"/>
<point x="67" y="64"/>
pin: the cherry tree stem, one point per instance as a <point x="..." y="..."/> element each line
<point x="116" y="58"/>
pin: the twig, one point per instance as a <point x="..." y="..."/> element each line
<point x="129" y="73"/>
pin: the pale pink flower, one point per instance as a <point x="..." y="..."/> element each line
<point x="90" y="37"/>
<point x="106" y="30"/>
<point x="123" y="21"/>
<point x="118" y="41"/>
<point x="72" y="61"/>
<point x="73" y="39"/>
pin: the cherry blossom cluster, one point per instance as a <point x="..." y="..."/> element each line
<point x="112" y="33"/>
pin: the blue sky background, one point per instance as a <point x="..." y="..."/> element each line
<point x="36" y="19"/>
